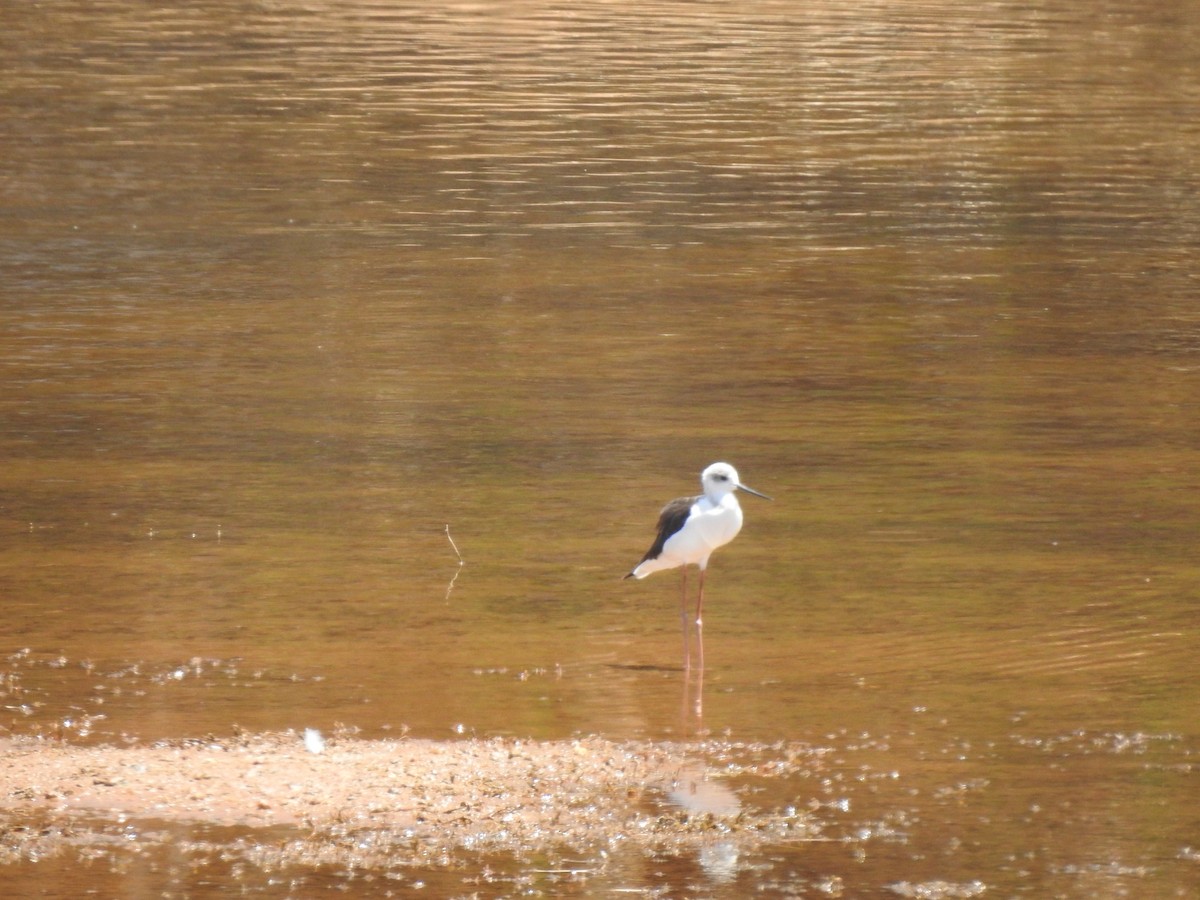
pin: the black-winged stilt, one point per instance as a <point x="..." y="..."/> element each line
<point x="689" y="530"/>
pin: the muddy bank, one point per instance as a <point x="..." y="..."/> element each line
<point x="387" y="803"/>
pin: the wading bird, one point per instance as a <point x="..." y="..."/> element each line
<point x="689" y="530"/>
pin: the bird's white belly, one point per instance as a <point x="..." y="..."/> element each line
<point x="705" y="531"/>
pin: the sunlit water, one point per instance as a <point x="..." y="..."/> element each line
<point x="349" y="351"/>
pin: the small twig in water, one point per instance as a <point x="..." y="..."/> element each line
<point x="461" y="562"/>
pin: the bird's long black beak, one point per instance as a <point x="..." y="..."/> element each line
<point x="750" y="490"/>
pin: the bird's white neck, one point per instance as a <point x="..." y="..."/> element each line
<point x="721" y="498"/>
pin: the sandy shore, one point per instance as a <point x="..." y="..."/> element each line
<point x="383" y="803"/>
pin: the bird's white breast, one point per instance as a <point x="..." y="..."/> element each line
<point x="709" y="526"/>
<point x="719" y="523"/>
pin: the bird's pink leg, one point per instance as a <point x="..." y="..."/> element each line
<point x="700" y="623"/>
<point x="683" y="617"/>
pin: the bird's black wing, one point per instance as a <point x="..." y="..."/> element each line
<point x="670" y="520"/>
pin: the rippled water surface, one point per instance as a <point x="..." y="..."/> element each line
<point x="349" y="350"/>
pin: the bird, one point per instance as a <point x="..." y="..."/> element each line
<point x="689" y="530"/>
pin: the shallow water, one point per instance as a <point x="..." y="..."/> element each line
<point x="306" y="305"/>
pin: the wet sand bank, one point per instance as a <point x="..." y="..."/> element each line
<point x="378" y="804"/>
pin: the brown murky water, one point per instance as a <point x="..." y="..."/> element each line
<point x="288" y="290"/>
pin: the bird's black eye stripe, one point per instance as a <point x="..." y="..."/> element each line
<point x="721" y="477"/>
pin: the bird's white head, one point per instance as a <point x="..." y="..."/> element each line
<point x="720" y="479"/>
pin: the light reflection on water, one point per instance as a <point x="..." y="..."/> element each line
<point x="289" y="290"/>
